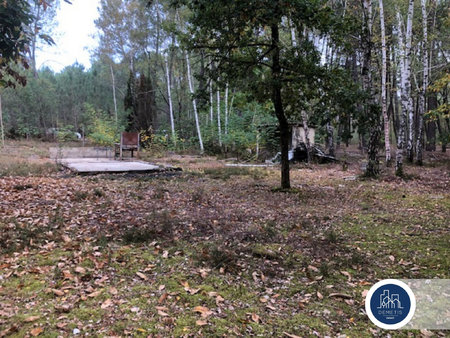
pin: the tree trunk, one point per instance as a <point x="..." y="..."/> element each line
<point x="306" y="130"/>
<point x="422" y="105"/>
<point x="387" y="144"/>
<point x="278" y="105"/>
<point x="226" y="109"/>
<point x="410" y="146"/>
<point x="330" y="139"/>
<point x="405" y="86"/>
<point x="219" y="126"/>
<point x="373" y="117"/>
<point x="2" y="129"/>
<point x="194" y="104"/>
<point x="169" y="97"/>
<point x="211" y="102"/>
<point x="114" y="95"/>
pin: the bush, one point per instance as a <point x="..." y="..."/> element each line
<point x="100" y="127"/>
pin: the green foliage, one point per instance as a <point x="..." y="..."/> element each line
<point x="99" y="127"/>
<point x="14" y="16"/>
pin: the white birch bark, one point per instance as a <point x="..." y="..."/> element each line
<point x="211" y="103"/>
<point x="2" y="129"/>
<point x="219" y="126"/>
<point x="169" y="97"/>
<point x="410" y="146"/>
<point x="226" y="109"/>
<point x="406" y="100"/>
<point x="422" y="102"/>
<point x="194" y="104"/>
<point x="387" y="143"/>
<point x="114" y="94"/>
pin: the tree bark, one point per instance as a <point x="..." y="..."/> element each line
<point x="387" y="143"/>
<point x="2" y="129"/>
<point x="226" y="109"/>
<point x="422" y="102"/>
<point x="373" y="117"/>
<point x="194" y="104"/>
<point x="169" y="97"/>
<point x="114" y="94"/>
<point x="405" y="68"/>
<point x="279" y="109"/>
<point x="410" y="146"/>
<point x="211" y="102"/>
<point x="219" y="126"/>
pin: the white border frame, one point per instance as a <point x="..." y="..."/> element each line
<point x="411" y="310"/>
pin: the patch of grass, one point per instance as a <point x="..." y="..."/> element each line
<point x="218" y="256"/>
<point x="23" y="168"/>
<point x="139" y="235"/>
<point x="99" y="192"/>
<point x="225" y="173"/>
<point x="79" y="196"/>
<point x="22" y="187"/>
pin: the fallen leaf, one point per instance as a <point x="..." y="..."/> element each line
<point x="255" y="317"/>
<point x="392" y="258"/>
<point x="313" y="268"/>
<point x="203" y="310"/>
<point x="201" y="322"/>
<point x="364" y="293"/>
<point x="31" y="319"/>
<point x="95" y="294"/>
<point x="141" y="275"/>
<point x="290" y="335"/>
<point x="36" y="331"/>
<point x="58" y="292"/>
<point x="319" y="295"/>
<point x="107" y="303"/>
<point x="80" y="270"/>
<point x="162" y="298"/>
<point x="162" y="313"/>
<point x="66" y="239"/>
<point x="347" y="274"/>
<point x="340" y="295"/>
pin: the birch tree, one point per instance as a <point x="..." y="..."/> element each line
<point x="372" y="115"/>
<point x="422" y="105"/>
<point x="2" y="129"/>
<point x="226" y="108"/>
<point x="194" y="104"/>
<point x="219" y="127"/>
<point x="169" y="98"/>
<point x="411" y="130"/>
<point x="406" y="99"/>
<point x="387" y="143"/>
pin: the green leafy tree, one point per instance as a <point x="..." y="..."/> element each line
<point x="250" y="38"/>
<point x="15" y="15"/>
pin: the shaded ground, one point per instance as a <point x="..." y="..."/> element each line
<point x="214" y="251"/>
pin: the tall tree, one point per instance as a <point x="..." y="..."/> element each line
<point x="387" y="143"/>
<point x="422" y="94"/>
<point x="15" y="15"/>
<point x="405" y="69"/>
<point x="194" y="104"/>
<point x="41" y="27"/>
<point x="248" y="41"/>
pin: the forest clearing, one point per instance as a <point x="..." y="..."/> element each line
<point x="224" y="168"/>
<point x="211" y="250"/>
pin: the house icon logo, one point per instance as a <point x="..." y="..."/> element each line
<point x="390" y="304"/>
